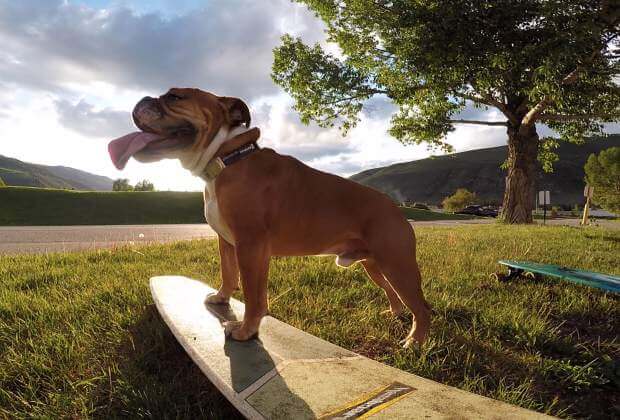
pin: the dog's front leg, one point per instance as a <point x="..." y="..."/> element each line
<point x="230" y="274"/>
<point x="253" y="261"/>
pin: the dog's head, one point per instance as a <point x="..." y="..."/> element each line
<point x="184" y="124"/>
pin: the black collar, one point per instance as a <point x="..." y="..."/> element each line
<point x="239" y="153"/>
<point x="217" y="164"/>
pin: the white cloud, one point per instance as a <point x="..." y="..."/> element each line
<point x="83" y="118"/>
<point x="70" y="75"/>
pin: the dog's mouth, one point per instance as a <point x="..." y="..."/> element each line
<point x="160" y="135"/>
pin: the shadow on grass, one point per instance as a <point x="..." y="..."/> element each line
<point x="577" y="372"/>
<point x="157" y="379"/>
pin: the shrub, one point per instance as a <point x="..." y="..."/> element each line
<point x="122" y="184"/>
<point x="603" y="173"/>
<point x="459" y="200"/>
<point x="145" y="185"/>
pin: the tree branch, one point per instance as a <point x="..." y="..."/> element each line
<point x="558" y="117"/>
<point x="501" y="123"/>
<point x="490" y="101"/>
<point x="359" y="95"/>
<point x="572" y="77"/>
<point x="533" y="114"/>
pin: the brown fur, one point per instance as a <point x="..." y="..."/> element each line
<point x="275" y="205"/>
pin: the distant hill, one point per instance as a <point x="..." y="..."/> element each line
<point x="431" y="180"/>
<point x="17" y="173"/>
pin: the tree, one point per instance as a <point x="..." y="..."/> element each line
<point x="144" y="185"/>
<point x="536" y="61"/>
<point x="603" y="173"/>
<point x="459" y="200"/>
<point x="122" y="184"/>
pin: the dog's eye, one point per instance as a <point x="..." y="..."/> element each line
<point x="173" y="97"/>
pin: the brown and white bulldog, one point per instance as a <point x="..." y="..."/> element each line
<point x="263" y="204"/>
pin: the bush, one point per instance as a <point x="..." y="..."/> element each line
<point x="2" y="184"/>
<point x="459" y="200"/>
<point x="555" y="210"/>
<point x="603" y="173"/>
<point x="122" y="184"/>
<point x="145" y="185"/>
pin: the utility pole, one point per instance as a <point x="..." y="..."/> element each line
<point x="587" y="193"/>
<point x="544" y="198"/>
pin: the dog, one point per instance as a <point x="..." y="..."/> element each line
<point x="263" y="204"/>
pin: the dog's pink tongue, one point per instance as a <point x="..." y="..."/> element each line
<point x="125" y="147"/>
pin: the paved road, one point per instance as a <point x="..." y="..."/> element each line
<point x="43" y="239"/>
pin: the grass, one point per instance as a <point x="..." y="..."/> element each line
<point x="40" y="206"/>
<point x="79" y="336"/>
<point x="423" y="215"/>
<point x="26" y="206"/>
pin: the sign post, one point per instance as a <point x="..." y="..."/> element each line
<point x="544" y="198"/>
<point x="587" y="193"/>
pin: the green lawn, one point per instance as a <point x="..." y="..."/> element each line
<point x="79" y="336"/>
<point x="25" y="206"/>
<point x="21" y="206"/>
<point x="423" y="215"/>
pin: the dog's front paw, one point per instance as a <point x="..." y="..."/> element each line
<point x="217" y="299"/>
<point x="238" y="332"/>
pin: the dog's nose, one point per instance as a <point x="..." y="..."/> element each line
<point x="145" y="111"/>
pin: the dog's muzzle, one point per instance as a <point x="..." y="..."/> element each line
<point x="146" y="113"/>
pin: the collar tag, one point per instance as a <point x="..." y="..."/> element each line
<point x="213" y="169"/>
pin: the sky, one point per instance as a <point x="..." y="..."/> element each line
<point x="71" y="71"/>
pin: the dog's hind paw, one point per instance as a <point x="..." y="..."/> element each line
<point x="217" y="299"/>
<point x="416" y="337"/>
<point x="409" y="342"/>
<point x="401" y="315"/>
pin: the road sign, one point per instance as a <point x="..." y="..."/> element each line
<point x="544" y="198"/>
<point x="588" y="191"/>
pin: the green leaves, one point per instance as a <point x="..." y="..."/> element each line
<point x="459" y="200"/>
<point x="546" y="155"/>
<point x="603" y="173"/>
<point x="426" y="56"/>
<point x="325" y="89"/>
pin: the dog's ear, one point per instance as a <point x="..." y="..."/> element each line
<point x="237" y="111"/>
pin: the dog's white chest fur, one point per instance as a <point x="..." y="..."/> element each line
<point x="213" y="215"/>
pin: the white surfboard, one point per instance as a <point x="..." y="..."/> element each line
<point x="289" y="374"/>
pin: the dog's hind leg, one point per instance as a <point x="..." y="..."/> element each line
<point x="229" y="272"/>
<point x="407" y="282"/>
<point x="392" y="243"/>
<point x="372" y="269"/>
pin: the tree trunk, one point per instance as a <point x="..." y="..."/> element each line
<point x="520" y="190"/>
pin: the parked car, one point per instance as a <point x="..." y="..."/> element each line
<point x="420" y="206"/>
<point x="477" y="210"/>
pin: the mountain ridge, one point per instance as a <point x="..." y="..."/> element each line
<point x="15" y="172"/>
<point x="432" y="179"/>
